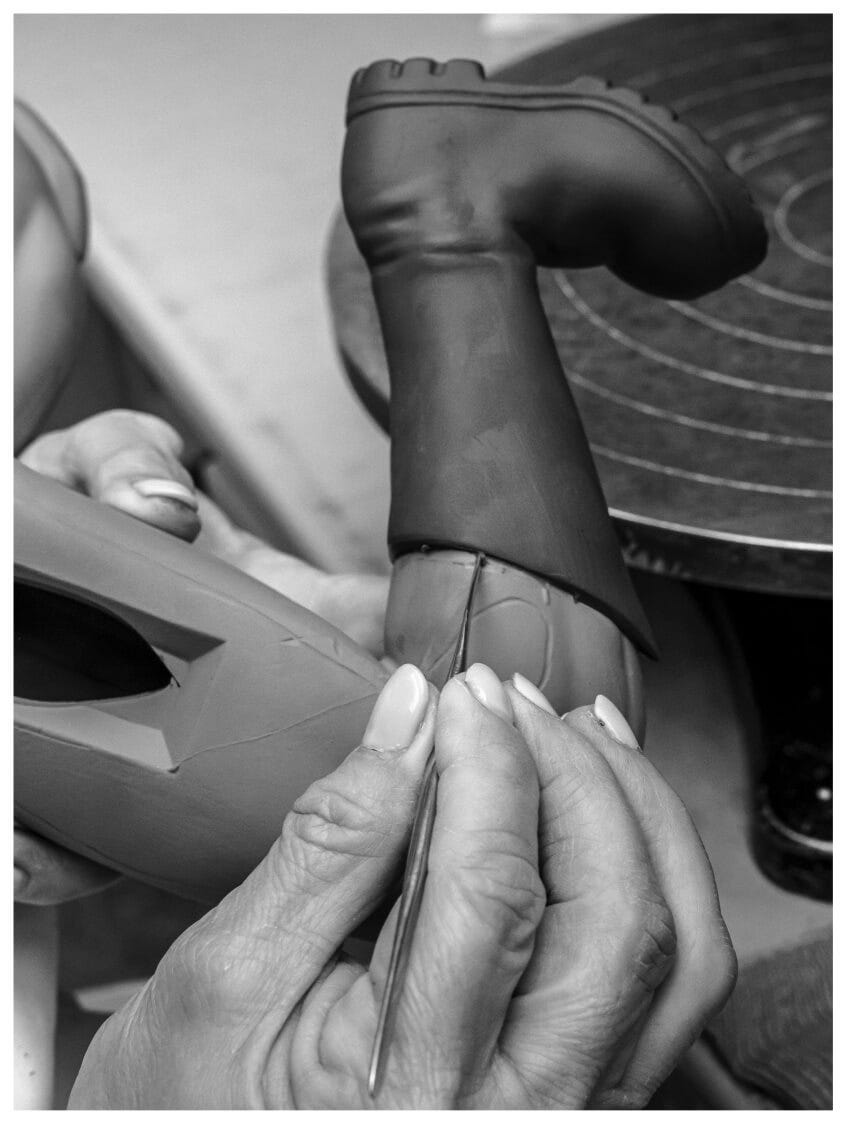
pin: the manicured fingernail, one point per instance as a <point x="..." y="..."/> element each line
<point x="529" y="691"/>
<point x="606" y="712"/>
<point x="484" y="685"/>
<point x="399" y="710"/>
<point x="166" y="490"/>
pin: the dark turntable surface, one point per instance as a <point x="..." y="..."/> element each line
<point x="710" y="421"/>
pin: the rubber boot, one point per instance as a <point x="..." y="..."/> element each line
<point x="456" y="188"/>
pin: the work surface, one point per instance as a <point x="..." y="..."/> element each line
<point x="710" y="421"/>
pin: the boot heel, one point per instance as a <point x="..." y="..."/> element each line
<point x="389" y="82"/>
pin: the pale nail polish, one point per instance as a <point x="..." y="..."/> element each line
<point x="487" y="689"/>
<point x="166" y="490"/>
<point x="399" y="710"/>
<point x="529" y="691"/>
<point x="606" y="712"/>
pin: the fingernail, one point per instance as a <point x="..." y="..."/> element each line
<point x="166" y="490"/>
<point x="529" y="691"/>
<point x="399" y="710"/>
<point x="484" y="685"/>
<point x="608" y="714"/>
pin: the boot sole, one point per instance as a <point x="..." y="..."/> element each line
<point x="424" y="82"/>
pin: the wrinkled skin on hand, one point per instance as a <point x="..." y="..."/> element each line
<point x="570" y="943"/>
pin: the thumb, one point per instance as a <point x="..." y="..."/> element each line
<point x="342" y="842"/>
<point x="126" y="459"/>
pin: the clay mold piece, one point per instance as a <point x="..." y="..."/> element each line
<point x="198" y="703"/>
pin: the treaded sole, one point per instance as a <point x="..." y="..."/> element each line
<point x="421" y="82"/>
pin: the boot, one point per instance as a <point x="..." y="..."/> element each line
<point x="456" y="188"/>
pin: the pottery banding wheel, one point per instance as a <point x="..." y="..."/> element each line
<point x="710" y="421"/>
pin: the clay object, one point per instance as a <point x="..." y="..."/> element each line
<point x="518" y="623"/>
<point x="455" y="189"/>
<point x="51" y="222"/>
<point x="168" y="709"/>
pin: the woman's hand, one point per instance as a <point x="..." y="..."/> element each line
<point x="131" y="461"/>
<point x="126" y="459"/>
<point x="569" y="945"/>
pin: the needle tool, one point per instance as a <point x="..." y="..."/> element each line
<point x="415" y="874"/>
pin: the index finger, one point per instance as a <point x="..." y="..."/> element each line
<point x="481" y="905"/>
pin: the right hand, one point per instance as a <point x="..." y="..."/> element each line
<point x="569" y="946"/>
<point x="632" y="956"/>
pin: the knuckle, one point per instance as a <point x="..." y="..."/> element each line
<point x="329" y="819"/>
<point x="128" y="435"/>
<point x="504" y="896"/>
<point x="717" y="968"/>
<point x="161" y="433"/>
<point x="206" y="971"/>
<point x="137" y="422"/>
<point x="643" y="937"/>
<point x="633" y="1094"/>
<point x="105" y="423"/>
<point x="43" y="448"/>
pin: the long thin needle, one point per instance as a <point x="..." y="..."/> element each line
<point x="415" y="874"/>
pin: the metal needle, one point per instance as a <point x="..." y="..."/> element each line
<point x="415" y="874"/>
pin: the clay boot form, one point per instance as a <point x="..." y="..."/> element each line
<point x="169" y="709"/>
<point x="456" y="189"/>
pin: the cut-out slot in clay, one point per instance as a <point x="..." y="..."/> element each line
<point x="67" y="650"/>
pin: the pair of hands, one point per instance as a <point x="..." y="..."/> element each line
<point x="570" y="944"/>
<point x="569" y="947"/>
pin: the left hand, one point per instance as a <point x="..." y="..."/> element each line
<point x="131" y="461"/>
<point x="126" y="459"/>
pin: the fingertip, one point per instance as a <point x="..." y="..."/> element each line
<point x="165" y="489"/>
<point x="532" y="693"/>
<point x="603" y="723"/>
<point x="456" y="703"/>
<point x="486" y="688"/>
<point x="608" y="715"/>
<point x="399" y="712"/>
<point x="167" y="513"/>
<point x="471" y="731"/>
